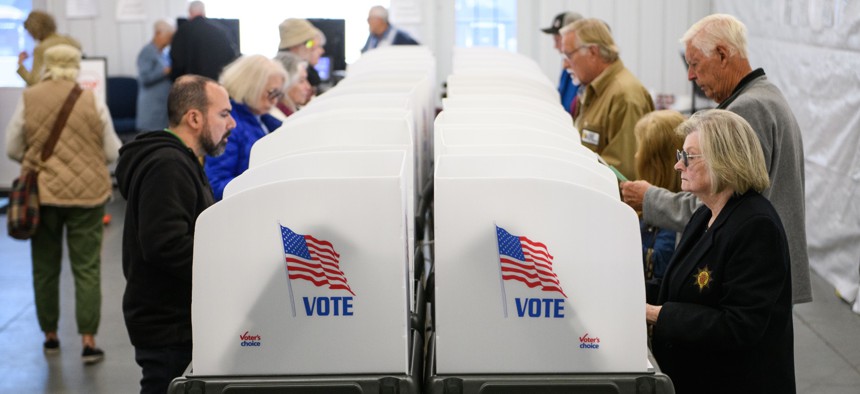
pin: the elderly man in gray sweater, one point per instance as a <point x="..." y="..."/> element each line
<point x="716" y="52"/>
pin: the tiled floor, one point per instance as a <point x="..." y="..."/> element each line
<point x="827" y="333"/>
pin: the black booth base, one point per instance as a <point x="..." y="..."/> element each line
<point x="341" y="384"/>
<point x="651" y="382"/>
<point x="656" y="383"/>
<point x="309" y="384"/>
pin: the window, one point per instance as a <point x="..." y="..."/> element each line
<point x="486" y="23"/>
<point x="13" y="40"/>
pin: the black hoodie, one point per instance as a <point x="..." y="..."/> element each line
<point x="166" y="189"/>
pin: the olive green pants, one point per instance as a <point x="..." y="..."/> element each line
<point x="84" y="229"/>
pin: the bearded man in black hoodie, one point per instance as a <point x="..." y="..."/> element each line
<point x="161" y="176"/>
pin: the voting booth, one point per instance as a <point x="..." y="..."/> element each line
<point x="303" y="273"/>
<point x="541" y="289"/>
<point x="302" y="278"/>
<point x="525" y="286"/>
<point x="372" y="247"/>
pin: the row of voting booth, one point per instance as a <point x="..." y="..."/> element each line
<point x="375" y="246"/>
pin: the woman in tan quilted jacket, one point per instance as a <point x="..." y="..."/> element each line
<point x="74" y="186"/>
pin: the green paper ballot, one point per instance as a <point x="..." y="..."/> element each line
<point x="618" y="174"/>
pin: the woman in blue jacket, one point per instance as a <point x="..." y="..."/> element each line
<point x="255" y="83"/>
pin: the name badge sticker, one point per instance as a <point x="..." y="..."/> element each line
<point x="590" y="137"/>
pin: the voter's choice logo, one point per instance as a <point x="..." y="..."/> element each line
<point x="316" y="261"/>
<point x="530" y="263"/>
<point x="589" y="342"/>
<point x="249" y="340"/>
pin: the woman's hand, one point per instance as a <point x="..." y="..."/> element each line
<point x="651" y="313"/>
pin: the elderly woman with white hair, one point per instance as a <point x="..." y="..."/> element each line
<point x="255" y="84"/>
<point x="722" y="320"/>
<point x="298" y="89"/>
<point x="74" y="186"/>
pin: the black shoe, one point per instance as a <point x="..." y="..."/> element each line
<point x="92" y="355"/>
<point x="51" y="346"/>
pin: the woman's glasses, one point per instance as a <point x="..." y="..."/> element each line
<point x="682" y="155"/>
<point x="275" y="94"/>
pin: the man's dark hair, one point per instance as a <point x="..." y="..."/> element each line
<point x="188" y="92"/>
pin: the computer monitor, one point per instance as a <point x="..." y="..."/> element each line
<point x="323" y="68"/>
<point x="231" y="26"/>
<point x="334" y="30"/>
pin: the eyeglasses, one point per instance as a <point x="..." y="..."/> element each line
<point x="275" y="94"/>
<point x="309" y="44"/>
<point x="575" y="50"/>
<point x="682" y="155"/>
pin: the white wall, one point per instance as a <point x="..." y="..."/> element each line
<point x="120" y="42"/>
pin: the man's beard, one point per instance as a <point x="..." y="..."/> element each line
<point x="213" y="149"/>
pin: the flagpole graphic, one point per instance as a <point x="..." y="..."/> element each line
<point x="287" y="267"/>
<point x="501" y="273"/>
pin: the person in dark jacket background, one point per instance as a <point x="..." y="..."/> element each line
<point x="200" y="46"/>
<point x="160" y="175"/>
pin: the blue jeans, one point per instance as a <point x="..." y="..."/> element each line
<point x="160" y="366"/>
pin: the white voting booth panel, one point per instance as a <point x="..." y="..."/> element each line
<point x="384" y="54"/>
<point x="465" y="133"/>
<point x="502" y="75"/>
<point x="592" y="320"/>
<point x="456" y="90"/>
<point x="469" y="80"/>
<point x="380" y="131"/>
<point x="333" y="129"/>
<point x="366" y="98"/>
<point x="585" y="158"/>
<point x="354" y="100"/>
<point x="507" y="102"/>
<point x="526" y="159"/>
<point x="524" y="165"/>
<point x="318" y="164"/>
<point x="475" y="57"/>
<point x="357" y="103"/>
<point x="417" y="64"/>
<point x="261" y="302"/>
<point x="507" y="139"/>
<point x="500" y="116"/>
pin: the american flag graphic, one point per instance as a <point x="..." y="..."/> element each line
<point x="526" y="261"/>
<point x="313" y="260"/>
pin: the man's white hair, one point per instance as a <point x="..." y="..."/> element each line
<point x="196" y="8"/>
<point x="379" y="11"/>
<point x="716" y="29"/>
<point x="163" y="26"/>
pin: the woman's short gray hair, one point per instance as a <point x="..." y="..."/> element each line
<point x="246" y="77"/>
<point x="731" y="149"/>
